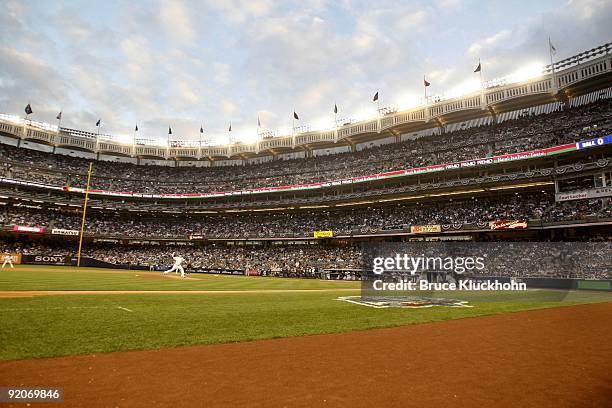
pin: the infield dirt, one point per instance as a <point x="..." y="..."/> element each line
<point x="558" y="357"/>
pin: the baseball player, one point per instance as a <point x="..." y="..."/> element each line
<point x="8" y="259"/>
<point x="178" y="260"/>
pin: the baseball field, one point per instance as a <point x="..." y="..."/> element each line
<point x="128" y="338"/>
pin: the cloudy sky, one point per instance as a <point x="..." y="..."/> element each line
<point x="186" y="62"/>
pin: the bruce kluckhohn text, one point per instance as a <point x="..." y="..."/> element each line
<point x="401" y="265"/>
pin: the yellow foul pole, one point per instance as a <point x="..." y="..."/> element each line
<point x="84" y="213"/>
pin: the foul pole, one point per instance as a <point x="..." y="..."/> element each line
<point x="84" y="213"/>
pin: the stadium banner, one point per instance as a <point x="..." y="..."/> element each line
<point x="425" y="229"/>
<point x="60" y="231"/>
<point x="197" y="237"/>
<point x="532" y="154"/>
<point x="503" y="225"/>
<point x="16" y="258"/>
<point x="23" y="228"/>
<point x="323" y="234"/>
<point x="45" y="259"/>
<point x="585" y="194"/>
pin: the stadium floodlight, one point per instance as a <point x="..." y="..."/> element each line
<point x="11" y="118"/>
<point x="529" y="71"/>
<point x="409" y="101"/>
<point x="124" y="139"/>
<point x="247" y="135"/>
<point x="464" y="88"/>
<point x="324" y="123"/>
<point x="367" y="113"/>
<point x="285" y="131"/>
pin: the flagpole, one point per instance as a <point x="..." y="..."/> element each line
<point x="25" y="122"/>
<point x="84" y="213"/>
<point x="425" y="86"/>
<point x="59" y="122"/>
<point x="552" y="64"/>
<point x="98" y="137"/>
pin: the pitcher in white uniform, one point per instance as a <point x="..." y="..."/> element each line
<point x="178" y="260"/>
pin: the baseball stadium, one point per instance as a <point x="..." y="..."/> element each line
<point x="454" y="252"/>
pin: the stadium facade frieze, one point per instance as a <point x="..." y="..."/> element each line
<point x="575" y="76"/>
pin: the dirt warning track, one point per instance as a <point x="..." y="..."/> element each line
<point x="557" y="357"/>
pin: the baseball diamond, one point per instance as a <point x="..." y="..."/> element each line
<point x="305" y="204"/>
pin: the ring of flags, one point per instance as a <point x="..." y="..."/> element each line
<point x="552" y="50"/>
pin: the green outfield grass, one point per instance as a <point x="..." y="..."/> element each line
<point x="57" y="325"/>
<point x="38" y="277"/>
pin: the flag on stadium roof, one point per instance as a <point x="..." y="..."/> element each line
<point x="169" y="130"/>
<point x="230" y="128"/>
<point x="553" y="50"/>
<point x="28" y="109"/>
<point x="478" y="68"/>
<point x="375" y="98"/>
<point x="98" y="122"/>
<point x="258" y="122"/>
<point x="335" y="108"/>
<point x="136" y="128"/>
<point x="425" y="82"/>
<point x="201" y="129"/>
<point x="59" y="116"/>
<point x="295" y="116"/>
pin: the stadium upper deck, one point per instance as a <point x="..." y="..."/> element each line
<point x="532" y="148"/>
<point x="578" y="75"/>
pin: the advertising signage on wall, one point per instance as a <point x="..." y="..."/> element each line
<point x="26" y="229"/>
<point x="585" y="194"/>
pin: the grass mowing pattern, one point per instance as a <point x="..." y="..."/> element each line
<point x="36" y="277"/>
<point x="81" y="324"/>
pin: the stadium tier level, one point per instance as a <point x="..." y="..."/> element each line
<point x="526" y="161"/>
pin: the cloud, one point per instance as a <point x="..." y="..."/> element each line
<point x="186" y="62"/>
<point x="221" y="72"/>
<point x="238" y="11"/>
<point x="495" y="39"/>
<point x="176" y="21"/>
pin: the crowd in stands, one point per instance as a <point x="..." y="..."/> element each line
<point x="473" y="211"/>
<point x="522" y="134"/>
<point x="507" y="259"/>
<point x="284" y="261"/>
